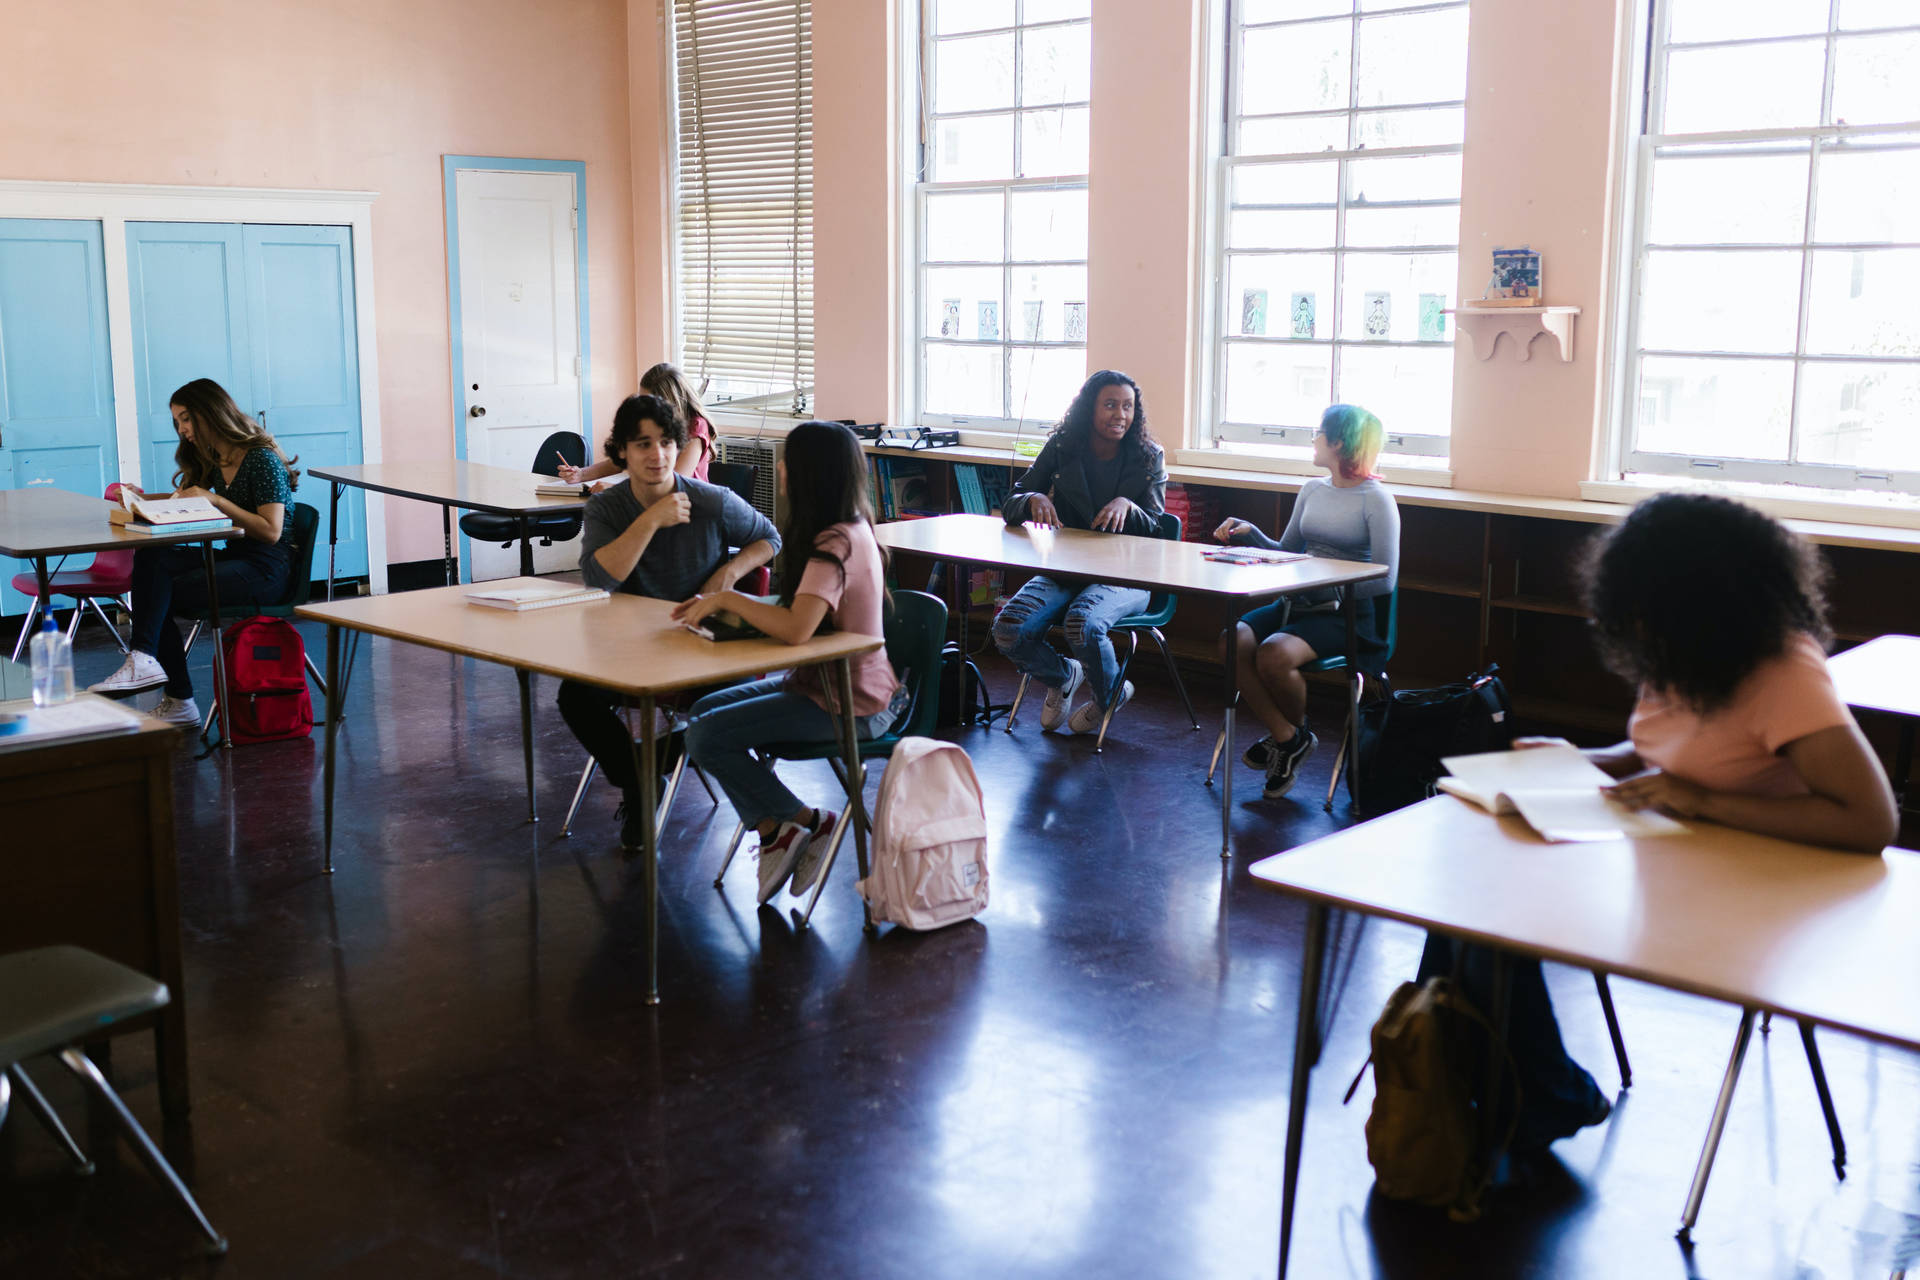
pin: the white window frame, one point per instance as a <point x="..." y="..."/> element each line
<point x="1038" y="416"/>
<point x="1647" y="141"/>
<point x="1221" y="326"/>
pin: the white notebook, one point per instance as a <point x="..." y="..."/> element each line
<point x="544" y="596"/>
<point x="86" y="715"/>
<point x="1555" y="789"/>
<point x="555" y="487"/>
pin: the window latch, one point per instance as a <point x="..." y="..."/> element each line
<point x="1706" y="464"/>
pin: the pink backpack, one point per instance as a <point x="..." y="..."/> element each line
<point x="929" y="838"/>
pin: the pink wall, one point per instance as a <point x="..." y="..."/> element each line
<point x="360" y="94"/>
<point x="649" y="81"/>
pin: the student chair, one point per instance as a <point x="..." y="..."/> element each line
<point x="1337" y="662"/>
<point x="676" y="723"/>
<point x="1158" y="614"/>
<point x="741" y="477"/>
<point x="109" y="577"/>
<point x="916" y="631"/>
<point x="50" y="1000"/>
<point x="482" y="526"/>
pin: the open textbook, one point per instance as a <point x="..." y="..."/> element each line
<point x="136" y="510"/>
<point x="1557" y="791"/>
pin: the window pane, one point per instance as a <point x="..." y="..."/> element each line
<point x="1379" y="228"/>
<point x="974" y="74"/>
<point x="1292" y="135"/>
<point x="1757" y="199"/>
<point x="1281" y="384"/>
<point x="1769" y="86"/>
<point x="1382" y="293"/>
<point x="1404" y="178"/>
<point x="1868" y="195"/>
<point x="1855" y="14"/>
<point x="1303" y="68"/>
<point x="964" y="380"/>
<point x="1053" y="142"/>
<point x="950" y="16"/>
<point x="1293" y="292"/>
<point x="1054" y="65"/>
<point x="1714" y="408"/>
<point x="1694" y="301"/>
<point x="1045" y="380"/>
<point x="1049" y="225"/>
<point x="1057" y="10"/>
<point x="1431" y="127"/>
<point x="1053" y="299"/>
<point x="1280" y="229"/>
<point x="1410" y="389"/>
<point x="953" y="298"/>
<point x="1865" y="303"/>
<point x="1312" y="182"/>
<point x="1860" y="415"/>
<point x="1876" y="79"/>
<point x="1416" y="57"/>
<point x="1251" y="11"/>
<point x="972" y="148"/>
<point x="1738" y="19"/>
<point x="964" y="227"/>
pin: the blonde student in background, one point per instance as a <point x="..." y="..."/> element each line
<point x="696" y="451"/>
<point x="1345" y="515"/>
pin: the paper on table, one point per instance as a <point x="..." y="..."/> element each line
<point x="1556" y="790"/>
<point x="85" y="716"/>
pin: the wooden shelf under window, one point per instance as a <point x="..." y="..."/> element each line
<point x="1540" y="604"/>
<point x="1437" y="587"/>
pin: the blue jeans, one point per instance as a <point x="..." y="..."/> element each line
<point x="729" y="723"/>
<point x="170" y="580"/>
<point x="1088" y="613"/>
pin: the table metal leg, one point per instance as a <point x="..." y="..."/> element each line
<point x="1226" y="740"/>
<point x="1721" y="1106"/>
<point x="525" y="678"/>
<point x="1349" y="606"/>
<point x="333" y="535"/>
<point x="1304" y="1036"/>
<point x="1832" y="1117"/>
<point x="45" y="580"/>
<point x="643" y="757"/>
<point x="332" y="734"/>
<point x="446" y="545"/>
<point x="1491" y="1115"/>
<point x="223" y="701"/>
<point x="526" y="549"/>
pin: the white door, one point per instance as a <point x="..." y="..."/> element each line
<point x="519" y="333"/>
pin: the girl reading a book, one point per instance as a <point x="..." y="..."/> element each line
<point x="1346" y="515"/>
<point x="831" y="575"/>
<point x="229" y="459"/>
<point x="696" y="451"/>
<point x="1101" y="469"/>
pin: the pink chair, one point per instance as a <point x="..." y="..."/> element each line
<point x="109" y="577"/>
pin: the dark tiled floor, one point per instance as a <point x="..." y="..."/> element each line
<point x="437" y="1061"/>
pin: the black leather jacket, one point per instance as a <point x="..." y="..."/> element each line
<point x="1060" y="475"/>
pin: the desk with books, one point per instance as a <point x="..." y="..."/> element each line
<point x="628" y="644"/>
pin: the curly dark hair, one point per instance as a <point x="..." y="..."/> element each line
<point x="635" y="410"/>
<point x="1076" y="426"/>
<point x="1691" y="593"/>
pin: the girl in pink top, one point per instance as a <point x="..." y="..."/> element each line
<point x="831" y="573"/>
<point x="695" y="456"/>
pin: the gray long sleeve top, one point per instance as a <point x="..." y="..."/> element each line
<point x="680" y="557"/>
<point x="1359" y="522"/>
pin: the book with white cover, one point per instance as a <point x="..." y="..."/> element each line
<point x="555" y="487"/>
<point x="1557" y="790"/>
<point x="165" y="511"/>
<point x="544" y="595"/>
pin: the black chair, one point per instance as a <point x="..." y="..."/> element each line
<point x="482" y="526"/>
<point x="741" y="477"/>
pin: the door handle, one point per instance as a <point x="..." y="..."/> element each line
<point x="260" y="416"/>
<point x="478" y="411"/>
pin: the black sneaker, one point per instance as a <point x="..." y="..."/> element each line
<point x="1284" y="767"/>
<point x="1260" y="754"/>
<point x="629" y="814"/>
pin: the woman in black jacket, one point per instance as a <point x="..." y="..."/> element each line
<point x="1101" y="469"/>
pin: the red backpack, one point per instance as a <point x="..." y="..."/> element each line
<point x="266" y="696"/>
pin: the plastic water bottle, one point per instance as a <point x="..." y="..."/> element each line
<point x="52" y="666"/>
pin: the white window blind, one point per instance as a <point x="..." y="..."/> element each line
<point x="743" y="187"/>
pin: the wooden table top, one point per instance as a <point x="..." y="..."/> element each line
<point x="470" y="486"/>
<point x="626" y="643"/>
<point x="1880" y="675"/>
<point x="54" y="522"/>
<point x="1152" y="563"/>
<point x="1804" y="932"/>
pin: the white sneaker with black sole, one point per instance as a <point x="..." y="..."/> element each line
<point x="1284" y="768"/>
<point x="1060" y="701"/>
<point x="180" y="711"/>
<point x="139" y="671"/>
<point x="1086" y="718"/>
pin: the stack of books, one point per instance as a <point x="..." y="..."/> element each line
<point x="543" y="595"/>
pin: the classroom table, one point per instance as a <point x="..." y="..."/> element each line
<point x="38" y="523"/>
<point x="1769" y="925"/>
<point x="628" y="644"/>
<point x="450" y="483"/>
<point x="1154" y="564"/>
<point x="1884" y="675"/>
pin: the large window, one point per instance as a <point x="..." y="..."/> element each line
<point x="1340" y="219"/>
<point x="1774" y="333"/>
<point x="1002" y="210"/>
<point x="743" y="193"/>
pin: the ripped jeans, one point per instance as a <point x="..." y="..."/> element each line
<point x="1087" y="613"/>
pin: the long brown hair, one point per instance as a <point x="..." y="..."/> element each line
<point x="671" y="385"/>
<point x="218" y="427"/>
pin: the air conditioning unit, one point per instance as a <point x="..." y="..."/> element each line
<point x="763" y="453"/>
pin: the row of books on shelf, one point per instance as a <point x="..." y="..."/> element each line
<point x="902" y="490"/>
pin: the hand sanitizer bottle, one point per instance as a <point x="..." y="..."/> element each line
<point x="52" y="665"/>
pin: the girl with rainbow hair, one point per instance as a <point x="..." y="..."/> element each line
<point x="1346" y="515"/>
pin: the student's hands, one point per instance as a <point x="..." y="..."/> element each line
<point x="1040" y="511"/>
<point x="696" y="610"/>
<point x="194" y="491"/>
<point x="1657" y="789"/>
<point x="722" y="580"/>
<point x="1112" y="518"/>
<point x="1230" y="529"/>
<point x="670" y="510"/>
<point x="570" y="473"/>
<point x="1529" y="744"/>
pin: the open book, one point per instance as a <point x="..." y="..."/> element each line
<point x="1557" y="791"/>
<point x="543" y="596"/>
<point x="1251" y="555"/>
<point x="168" y="513"/>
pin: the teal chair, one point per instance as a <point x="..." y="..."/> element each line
<point x="1158" y="614"/>
<point x="916" y="631"/>
<point x="1337" y="662"/>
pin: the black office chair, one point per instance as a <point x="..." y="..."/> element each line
<point x="741" y="477"/>
<point x="482" y="526"/>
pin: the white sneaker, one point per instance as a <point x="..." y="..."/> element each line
<point x="139" y="671"/>
<point x="777" y="855"/>
<point x="181" y="711"/>
<point x="1060" y="701"/>
<point x="806" y="868"/>
<point x="1086" y="719"/>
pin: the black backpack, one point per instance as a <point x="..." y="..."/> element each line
<point x="963" y="694"/>
<point x="1404" y="736"/>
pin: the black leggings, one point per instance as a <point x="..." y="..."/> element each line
<point x="170" y="580"/>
